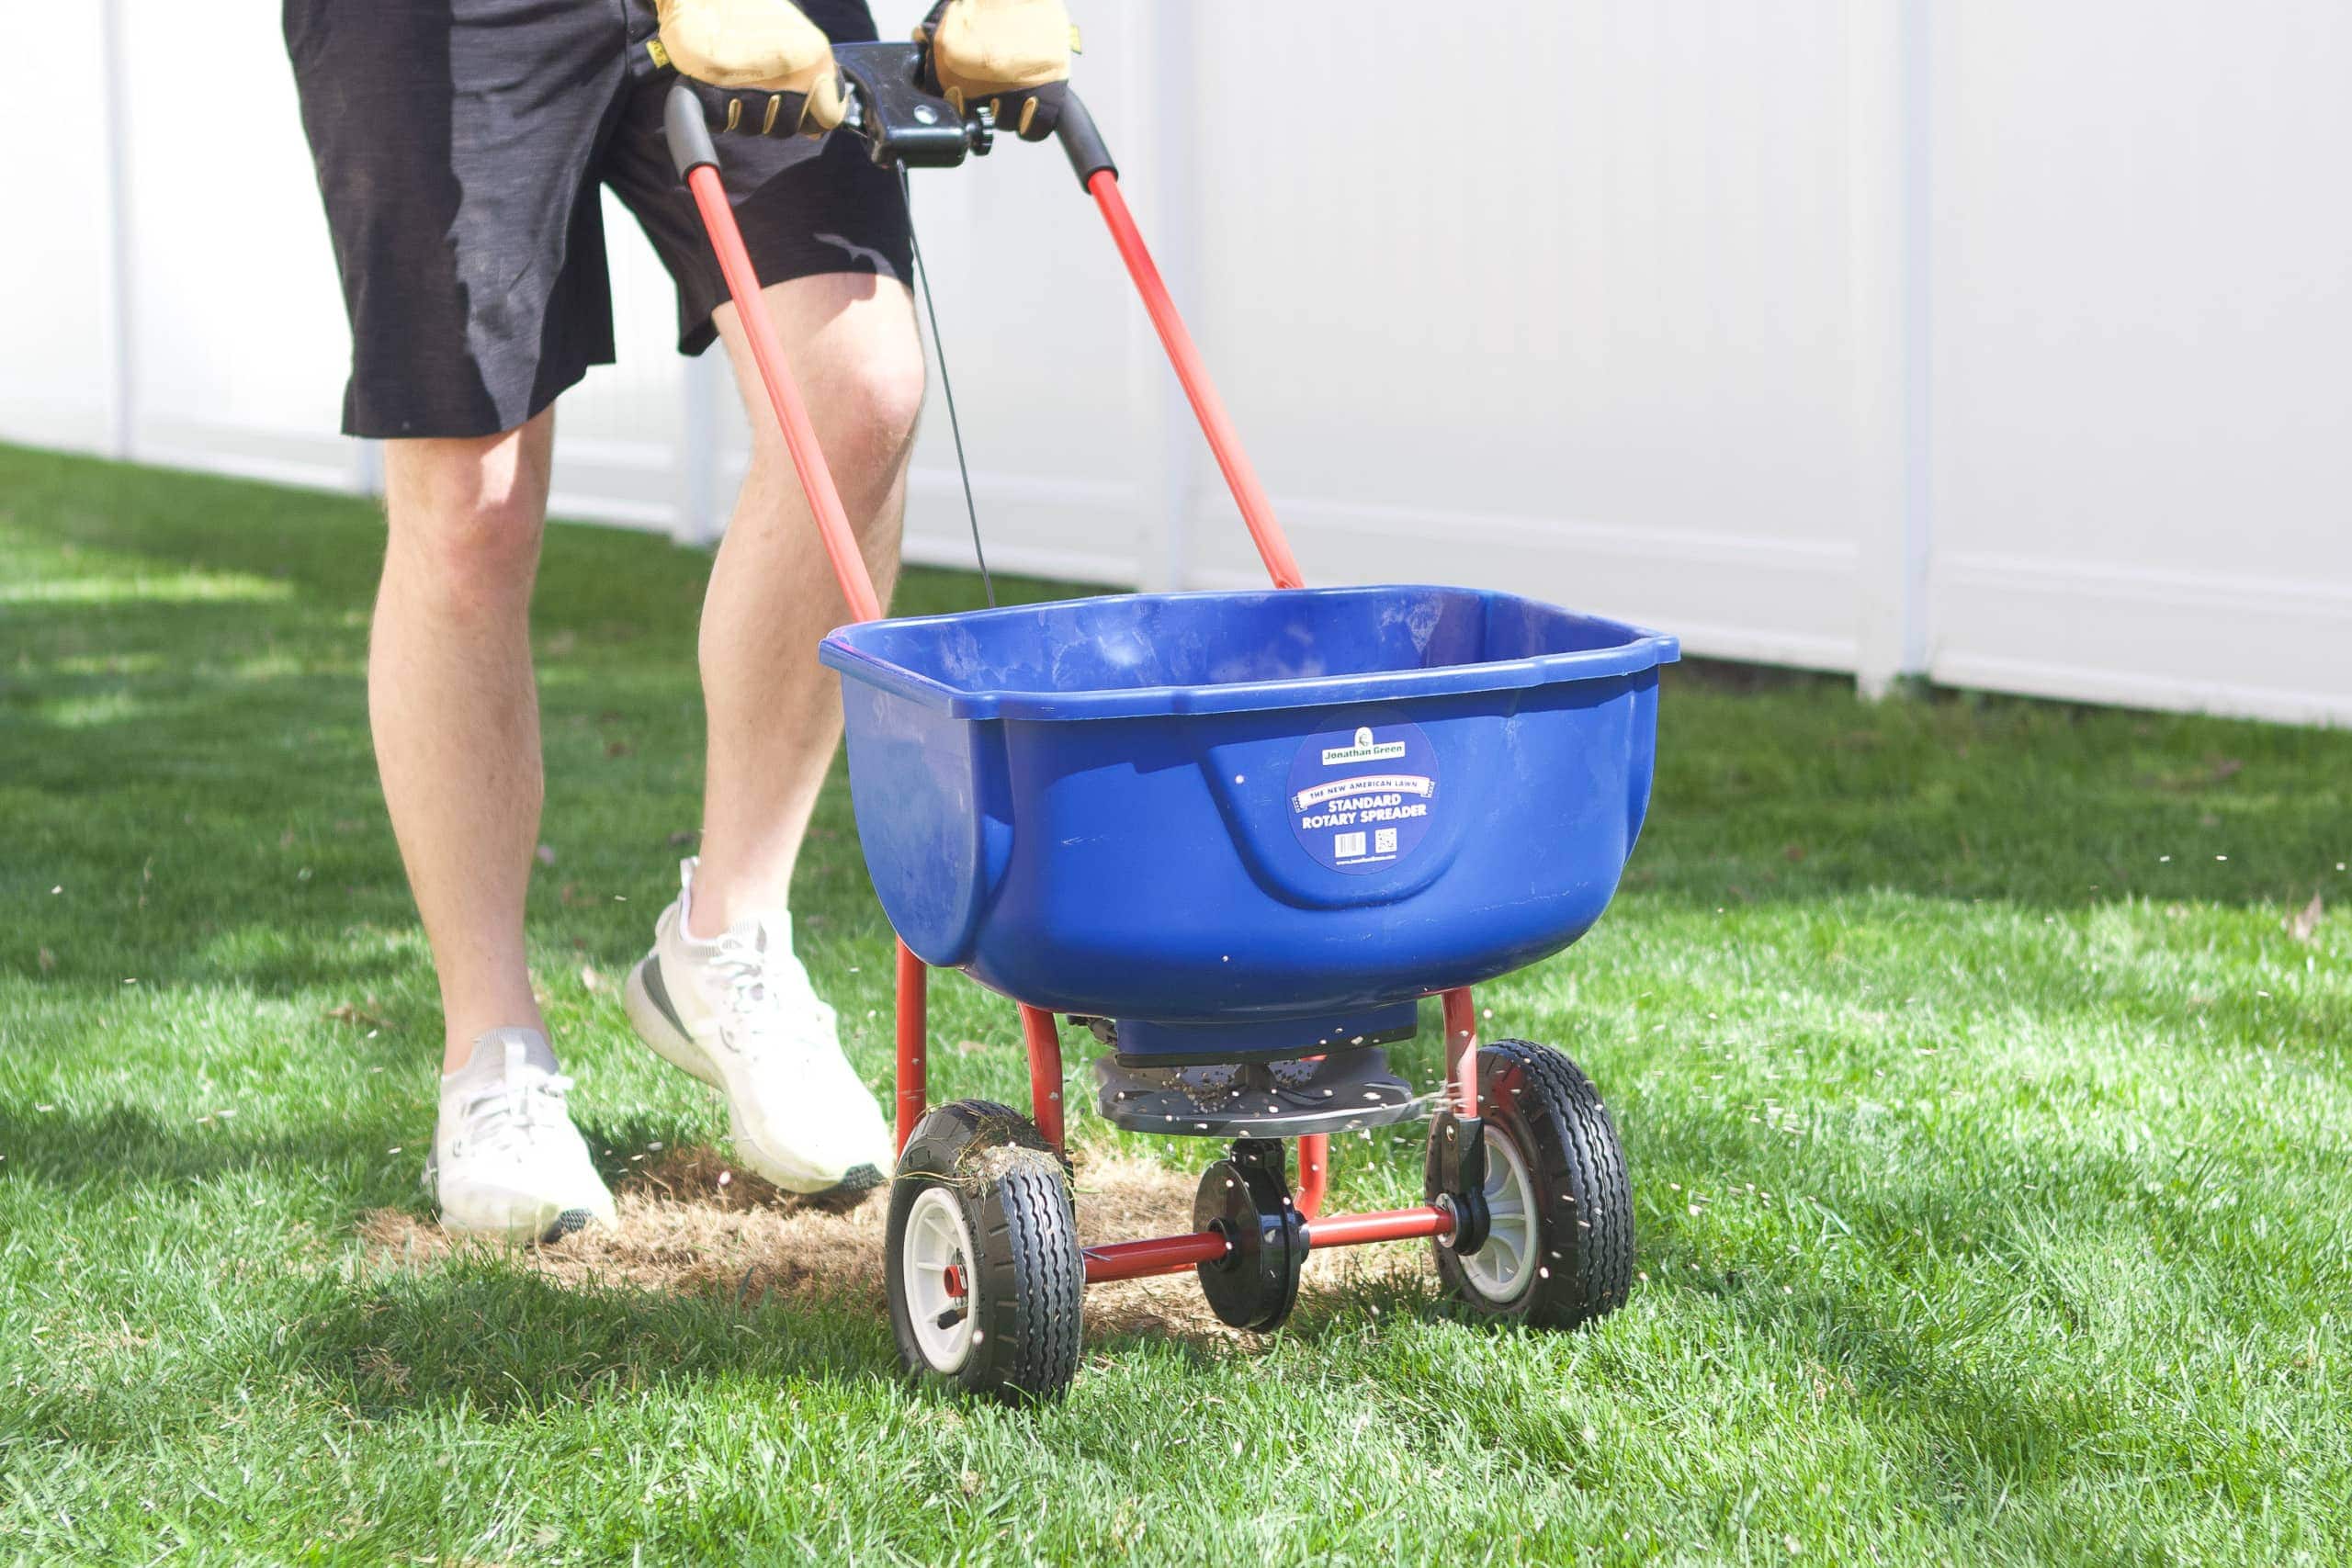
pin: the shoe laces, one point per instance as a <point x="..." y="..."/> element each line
<point x="512" y="1113"/>
<point x="751" y="972"/>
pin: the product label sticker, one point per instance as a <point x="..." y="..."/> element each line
<point x="1360" y="799"/>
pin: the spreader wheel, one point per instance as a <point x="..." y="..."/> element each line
<point x="982" y="1256"/>
<point x="1559" y="1251"/>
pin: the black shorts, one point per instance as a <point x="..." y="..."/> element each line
<point x="460" y="145"/>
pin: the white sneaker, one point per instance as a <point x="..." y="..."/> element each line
<point x="738" y="1011"/>
<point x="506" y="1159"/>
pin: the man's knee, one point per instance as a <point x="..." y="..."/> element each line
<point x="467" y="515"/>
<point x="883" y="390"/>
<point x="852" y="343"/>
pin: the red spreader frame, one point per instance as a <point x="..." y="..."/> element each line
<point x="1040" y="1031"/>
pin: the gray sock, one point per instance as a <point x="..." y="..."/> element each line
<point x="492" y="1051"/>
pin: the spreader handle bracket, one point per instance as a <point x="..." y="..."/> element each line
<point x="899" y="122"/>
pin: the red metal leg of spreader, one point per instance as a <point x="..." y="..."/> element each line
<point x="1314" y="1172"/>
<point x="914" y="1074"/>
<point x="1461" y="1051"/>
<point x="1045" y="1042"/>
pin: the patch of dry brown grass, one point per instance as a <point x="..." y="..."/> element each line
<point x="692" y="1223"/>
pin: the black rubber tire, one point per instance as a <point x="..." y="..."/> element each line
<point x="1028" y="1279"/>
<point x="1583" y="1199"/>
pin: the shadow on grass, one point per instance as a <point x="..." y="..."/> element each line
<point x="509" y="1343"/>
<point x="478" y="1333"/>
<point x="120" y="1149"/>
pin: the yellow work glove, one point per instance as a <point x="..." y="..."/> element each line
<point x="762" y="66"/>
<point x="1012" y="56"/>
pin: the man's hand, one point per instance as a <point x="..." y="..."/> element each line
<point x="1011" y="55"/>
<point x="774" y="65"/>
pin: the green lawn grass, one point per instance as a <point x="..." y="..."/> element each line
<point x="1990" y="1127"/>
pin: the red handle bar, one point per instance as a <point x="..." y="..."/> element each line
<point x="809" y="459"/>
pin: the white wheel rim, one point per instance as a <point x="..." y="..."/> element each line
<point x="936" y="1241"/>
<point x="1503" y="1268"/>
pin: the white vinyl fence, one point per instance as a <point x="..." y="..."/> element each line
<point x="2008" y="343"/>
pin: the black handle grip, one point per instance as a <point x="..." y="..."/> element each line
<point x="900" y="121"/>
<point x="687" y="133"/>
<point x="1079" y="139"/>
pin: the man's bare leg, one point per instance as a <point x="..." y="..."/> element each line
<point x="722" y="994"/>
<point x="454" y="711"/>
<point x="775" y="713"/>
